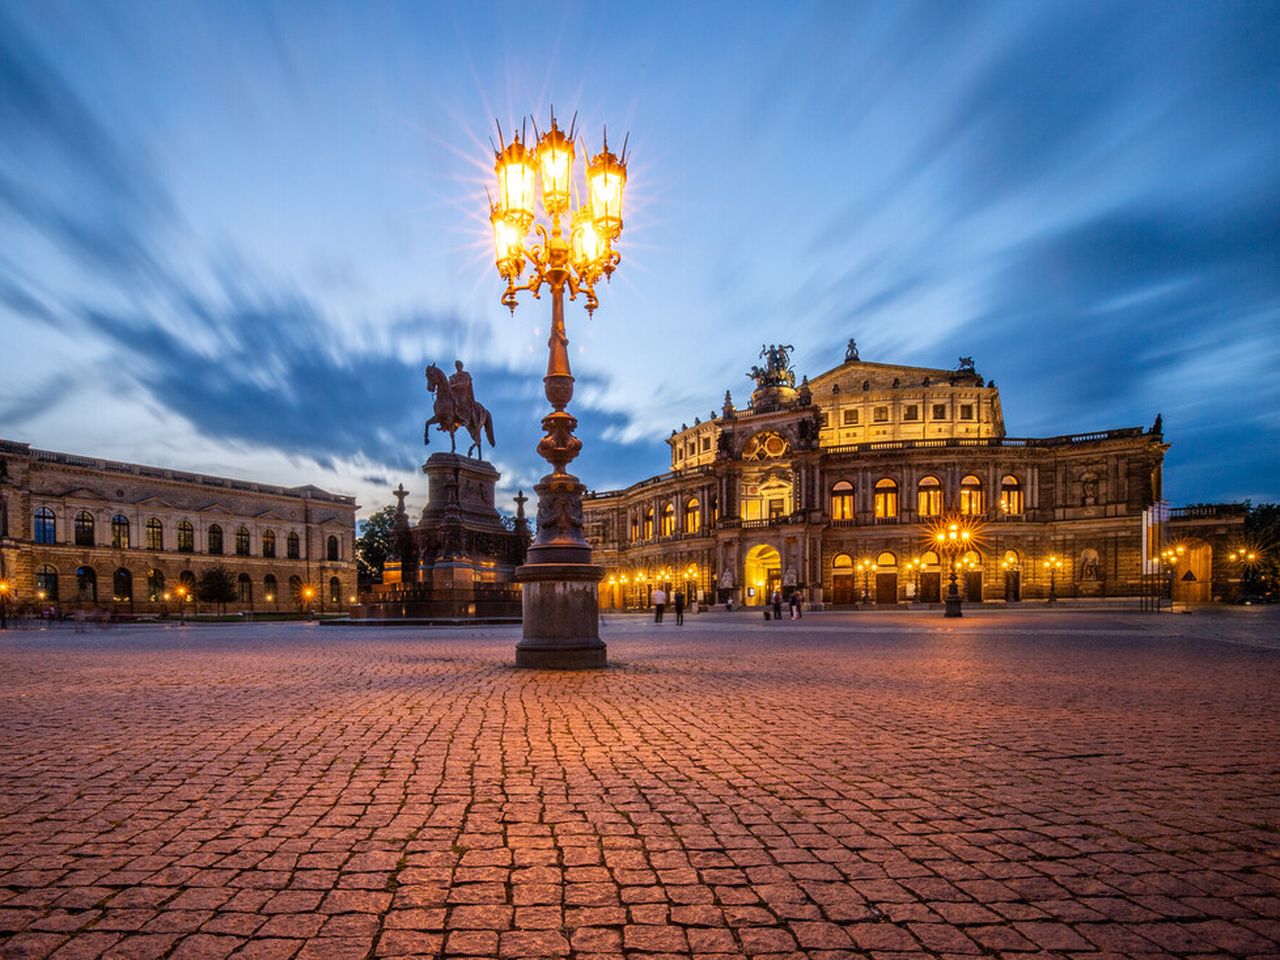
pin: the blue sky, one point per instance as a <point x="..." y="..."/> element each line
<point x="232" y="234"/>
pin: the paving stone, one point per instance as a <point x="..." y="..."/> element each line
<point x="884" y="785"/>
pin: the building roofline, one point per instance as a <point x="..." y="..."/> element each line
<point x="302" y="492"/>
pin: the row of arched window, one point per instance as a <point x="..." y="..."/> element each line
<point x="929" y="499"/>
<point x="45" y="530"/>
<point x="642" y="523"/>
<point x="122" y="586"/>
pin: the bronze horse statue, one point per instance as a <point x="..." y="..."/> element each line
<point x="449" y="417"/>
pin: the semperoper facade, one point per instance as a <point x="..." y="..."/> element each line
<point x="830" y="486"/>
<point x="80" y="532"/>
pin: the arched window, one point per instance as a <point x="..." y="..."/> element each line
<point x="971" y="496"/>
<point x="270" y="588"/>
<point x="269" y="544"/>
<point x="648" y="523"/>
<point x="242" y="542"/>
<point x="1011" y="500"/>
<point x="335" y="591"/>
<point x="87" y="584"/>
<point x="46" y="526"/>
<point x="120" y="532"/>
<point x="928" y="559"/>
<point x="886" y="499"/>
<point x="187" y="579"/>
<point x="47" y="583"/>
<point x="668" y="519"/>
<point x="295" y="589"/>
<point x="155" y="534"/>
<point x="635" y="528"/>
<point x="331" y="548"/>
<point x="692" y="516"/>
<point x="244" y="588"/>
<point x="842" y="561"/>
<point x="186" y="537"/>
<point x="215" y="539"/>
<point x="291" y="546"/>
<point x="886" y="559"/>
<point x="842" y="501"/>
<point x="929" y="497"/>
<point x="155" y="586"/>
<point x="84" y="529"/>
<point x="122" y="585"/>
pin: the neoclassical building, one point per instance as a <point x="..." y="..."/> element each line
<point x="834" y="485"/>
<point x="80" y="532"/>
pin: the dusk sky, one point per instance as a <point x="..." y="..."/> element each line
<point x="232" y="234"/>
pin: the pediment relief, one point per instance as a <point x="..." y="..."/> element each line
<point x="766" y="445"/>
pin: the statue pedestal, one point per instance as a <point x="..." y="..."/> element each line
<point x="561" y="609"/>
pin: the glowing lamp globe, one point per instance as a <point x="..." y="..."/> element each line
<point x="517" y="186"/>
<point x="555" y="161"/>
<point x="607" y="179"/>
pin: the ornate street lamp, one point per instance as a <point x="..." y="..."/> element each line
<point x="866" y="568"/>
<point x="560" y="583"/>
<point x="1053" y="564"/>
<point x="6" y="588"/>
<point x="952" y="539"/>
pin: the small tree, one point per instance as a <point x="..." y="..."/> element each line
<point x="216" y="585"/>
<point x="373" y="546"/>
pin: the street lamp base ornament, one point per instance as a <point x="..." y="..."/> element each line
<point x="953" y="607"/>
<point x="561" y="617"/>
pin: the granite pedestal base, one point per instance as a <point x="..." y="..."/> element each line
<point x="561" y="617"/>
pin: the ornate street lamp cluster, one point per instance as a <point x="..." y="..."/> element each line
<point x="1053" y="565"/>
<point x="952" y="539"/>
<point x="561" y="626"/>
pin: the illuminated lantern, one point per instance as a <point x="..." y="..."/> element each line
<point x="555" y="161"/>
<point x="607" y="179"/>
<point x="517" y="186"/>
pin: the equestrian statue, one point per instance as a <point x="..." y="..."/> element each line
<point x="456" y="406"/>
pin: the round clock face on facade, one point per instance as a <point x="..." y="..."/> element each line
<point x="765" y="446"/>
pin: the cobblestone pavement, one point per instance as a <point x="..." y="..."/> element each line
<point x="853" y="784"/>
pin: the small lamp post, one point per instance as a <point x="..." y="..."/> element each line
<point x="183" y="593"/>
<point x="866" y="568"/>
<point x="952" y="539"/>
<point x="308" y="594"/>
<point x="6" y="588"/>
<point x="1246" y="559"/>
<point x="560" y="583"/>
<point x="1053" y="563"/>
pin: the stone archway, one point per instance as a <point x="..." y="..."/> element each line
<point x="761" y="574"/>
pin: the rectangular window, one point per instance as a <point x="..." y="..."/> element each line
<point x="826" y="420"/>
<point x="966" y="411"/>
<point x="851" y="418"/>
<point x="706" y="444"/>
<point x="775" y="508"/>
<point x="912" y="412"/>
<point x="881" y="415"/>
<point x="939" y="411"/>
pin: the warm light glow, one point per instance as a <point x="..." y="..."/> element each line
<point x="585" y="244"/>
<point x="517" y="180"/>
<point x="506" y="245"/>
<point x="555" y="160"/>
<point x="607" y="178"/>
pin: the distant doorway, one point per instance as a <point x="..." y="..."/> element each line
<point x="1193" y="580"/>
<point x="762" y="575"/>
<point x="931" y="587"/>
<point x="973" y="586"/>
<point x="886" y="588"/>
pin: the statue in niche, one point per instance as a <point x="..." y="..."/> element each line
<point x="1089" y="566"/>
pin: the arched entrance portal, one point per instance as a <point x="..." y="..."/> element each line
<point x="1193" y="577"/>
<point x="762" y="574"/>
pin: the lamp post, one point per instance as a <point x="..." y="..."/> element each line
<point x="1053" y="564"/>
<point x="560" y="583"/>
<point x="6" y="588"/>
<point x="1246" y="559"/>
<point x="1171" y="557"/>
<point x="951" y="540"/>
<point x="308" y="594"/>
<point x="182" y="593"/>
<point x="865" y="567"/>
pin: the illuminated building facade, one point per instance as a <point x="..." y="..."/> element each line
<point x="80" y="532"/>
<point x="831" y="487"/>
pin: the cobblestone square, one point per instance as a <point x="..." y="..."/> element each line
<point x="864" y="784"/>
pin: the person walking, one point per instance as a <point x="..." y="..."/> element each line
<point x="659" y="598"/>
<point x="793" y="603"/>
<point x="679" y="600"/>
<point x="799" y="595"/>
<point x="777" y="604"/>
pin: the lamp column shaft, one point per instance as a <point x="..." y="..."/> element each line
<point x="952" y="606"/>
<point x="560" y="585"/>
